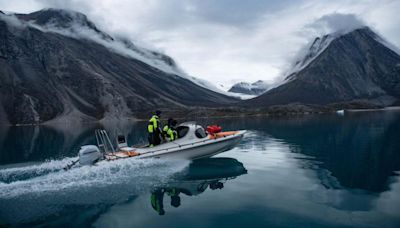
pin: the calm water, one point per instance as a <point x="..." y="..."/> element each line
<point x="314" y="171"/>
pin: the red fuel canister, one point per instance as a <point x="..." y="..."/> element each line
<point x="214" y="129"/>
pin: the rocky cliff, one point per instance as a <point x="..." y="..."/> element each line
<point x="340" y="68"/>
<point x="57" y="65"/>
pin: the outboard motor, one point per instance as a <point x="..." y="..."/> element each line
<point x="89" y="154"/>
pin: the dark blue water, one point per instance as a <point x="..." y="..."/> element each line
<point x="312" y="171"/>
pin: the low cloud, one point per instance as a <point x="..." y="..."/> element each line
<point x="77" y="30"/>
<point x="337" y="23"/>
<point x="12" y="21"/>
<point x="229" y="40"/>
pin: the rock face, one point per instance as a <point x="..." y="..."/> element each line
<point x="338" y="69"/>
<point x="255" y="88"/>
<point x="50" y="69"/>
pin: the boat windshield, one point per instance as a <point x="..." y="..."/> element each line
<point x="182" y="131"/>
<point x="200" y="133"/>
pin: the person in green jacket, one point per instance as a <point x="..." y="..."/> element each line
<point x="154" y="129"/>
<point x="169" y="131"/>
<point x="157" y="200"/>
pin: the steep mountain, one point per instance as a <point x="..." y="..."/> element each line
<point x="340" y="68"/>
<point x="57" y="65"/>
<point x="255" y="88"/>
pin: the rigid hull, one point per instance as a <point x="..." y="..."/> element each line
<point x="193" y="143"/>
<point x="194" y="149"/>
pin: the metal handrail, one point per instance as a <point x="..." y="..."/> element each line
<point x="103" y="141"/>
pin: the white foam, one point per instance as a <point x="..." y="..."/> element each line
<point x="27" y="170"/>
<point x="28" y="200"/>
<point x="125" y="172"/>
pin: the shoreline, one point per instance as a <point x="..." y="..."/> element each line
<point x="277" y="111"/>
<point x="394" y="108"/>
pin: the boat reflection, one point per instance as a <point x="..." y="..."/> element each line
<point x="203" y="174"/>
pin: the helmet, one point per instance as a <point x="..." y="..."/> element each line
<point x="158" y="112"/>
<point x="175" y="201"/>
<point x="170" y="121"/>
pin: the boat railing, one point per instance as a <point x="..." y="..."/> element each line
<point x="104" y="142"/>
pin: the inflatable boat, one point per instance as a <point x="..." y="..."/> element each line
<point x="193" y="142"/>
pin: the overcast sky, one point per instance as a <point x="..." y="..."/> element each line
<point x="226" y="41"/>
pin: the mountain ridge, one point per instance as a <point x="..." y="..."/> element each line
<point x="354" y="66"/>
<point x="48" y="76"/>
<point x="255" y="88"/>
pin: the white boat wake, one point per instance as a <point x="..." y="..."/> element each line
<point x="22" y="171"/>
<point x="46" y="189"/>
<point x="50" y="176"/>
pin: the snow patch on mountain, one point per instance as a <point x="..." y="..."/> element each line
<point x="219" y="88"/>
<point x="311" y="51"/>
<point x="329" y="27"/>
<point x="242" y="96"/>
<point x="253" y="89"/>
<point x="307" y="54"/>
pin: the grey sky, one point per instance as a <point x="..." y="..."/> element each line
<point x="225" y="41"/>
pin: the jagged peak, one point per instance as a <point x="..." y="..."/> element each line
<point x="263" y="84"/>
<point x="57" y="17"/>
<point x="241" y="83"/>
<point x="319" y="44"/>
<point x="61" y="19"/>
<point x="365" y="30"/>
<point x="255" y="88"/>
<point x="77" y="25"/>
<point x="308" y="54"/>
<point x="256" y="84"/>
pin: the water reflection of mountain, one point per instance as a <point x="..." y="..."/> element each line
<point x="33" y="143"/>
<point x="360" y="151"/>
<point x="37" y="143"/>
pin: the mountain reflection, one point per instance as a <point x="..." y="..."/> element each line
<point x="360" y="151"/>
<point x="39" y="143"/>
<point x="305" y="167"/>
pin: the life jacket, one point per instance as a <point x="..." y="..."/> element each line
<point x="169" y="133"/>
<point x="172" y="192"/>
<point x="172" y="134"/>
<point x="165" y="130"/>
<point x="154" y="124"/>
<point x="156" y="200"/>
